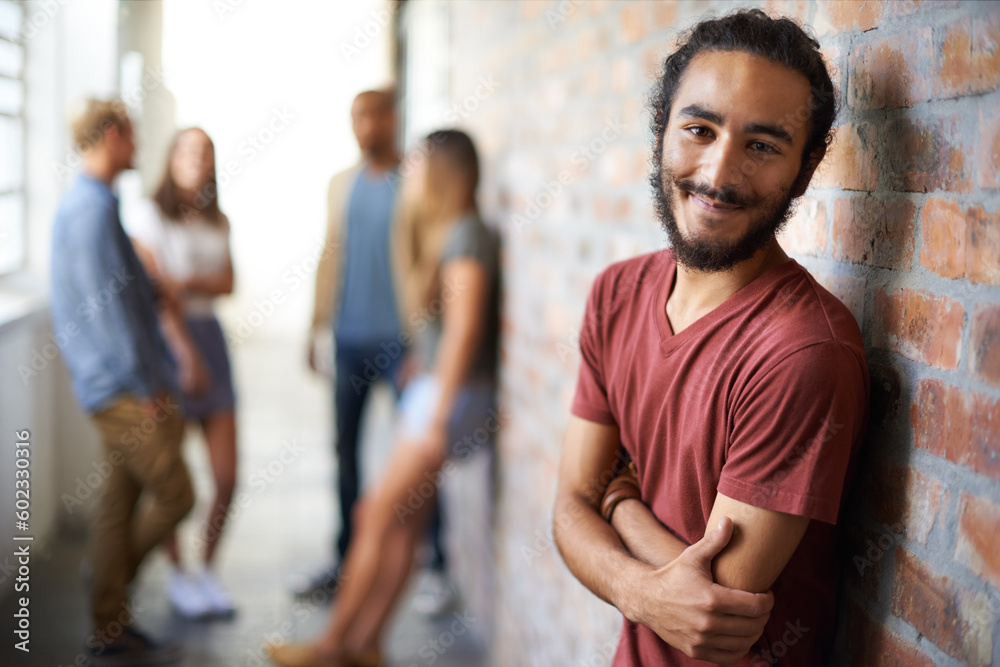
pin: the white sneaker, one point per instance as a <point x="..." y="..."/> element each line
<point x="435" y="594"/>
<point x="186" y="597"/>
<point x="219" y="601"/>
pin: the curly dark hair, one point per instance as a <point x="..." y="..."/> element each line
<point x="779" y="40"/>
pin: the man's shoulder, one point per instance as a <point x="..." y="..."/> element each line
<point x="345" y="176"/>
<point x="633" y="273"/>
<point x="808" y="314"/>
<point x="84" y="210"/>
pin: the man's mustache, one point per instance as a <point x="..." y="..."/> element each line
<point x="724" y="195"/>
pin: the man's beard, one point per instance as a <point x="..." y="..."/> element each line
<point x="712" y="256"/>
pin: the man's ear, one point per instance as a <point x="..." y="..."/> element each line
<point x="805" y="176"/>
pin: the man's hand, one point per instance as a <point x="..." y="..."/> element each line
<point x="682" y="604"/>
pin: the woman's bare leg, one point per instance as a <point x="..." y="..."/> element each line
<point x="399" y="548"/>
<point x="369" y="564"/>
<point x="220" y="436"/>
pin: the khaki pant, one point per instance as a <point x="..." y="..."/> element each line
<point x="145" y="495"/>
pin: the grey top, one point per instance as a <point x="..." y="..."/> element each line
<point x="468" y="237"/>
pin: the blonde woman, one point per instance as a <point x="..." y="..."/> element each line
<point x="183" y="240"/>
<point x="451" y="303"/>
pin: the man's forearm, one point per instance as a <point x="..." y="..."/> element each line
<point x="595" y="554"/>
<point x="643" y="534"/>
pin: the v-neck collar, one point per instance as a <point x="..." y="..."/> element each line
<point x="669" y="341"/>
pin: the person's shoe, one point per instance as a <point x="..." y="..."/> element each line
<point x="299" y="655"/>
<point x="220" y="603"/>
<point x="304" y="655"/>
<point x="186" y="596"/>
<point x="135" y="650"/>
<point x="435" y="594"/>
<point x="327" y="580"/>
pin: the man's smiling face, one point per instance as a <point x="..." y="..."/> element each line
<point x="732" y="154"/>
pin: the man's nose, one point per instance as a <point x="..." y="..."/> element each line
<point x="723" y="165"/>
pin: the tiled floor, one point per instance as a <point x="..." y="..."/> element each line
<point x="284" y="527"/>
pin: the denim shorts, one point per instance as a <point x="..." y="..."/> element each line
<point x="473" y="422"/>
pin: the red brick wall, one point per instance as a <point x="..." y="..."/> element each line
<point x="901" y="223"/>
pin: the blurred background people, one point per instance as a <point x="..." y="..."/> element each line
<point x="449" y="263"/>
<point x="182" y="238"/>
<point x="357" y="283"/>
<point x="124" y="378"/>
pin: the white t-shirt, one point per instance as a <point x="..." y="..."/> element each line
<point x="182" y="250"/>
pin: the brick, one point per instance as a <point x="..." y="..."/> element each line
<point x="831" y="56"/>
<point x="986" y="52"/>
<point x="872" y="644"/>
<point x="875" y="232"/>
<point x="927" y="155"/>
<point x="904" y="499"/>
<point x="891" y="71"/>
<point x="633" y="22"/>
<point x="957" y="425"/>
<point x="805" y="232"/>
<point x="664" y="15"/>
<point x="919" y="326"/>
<point x="988" y="166"/>
<point x="796" y="9"/>
<point x="983" y="259"/>
<point x="956" y="621"/>
<point x="944" y="234"/>
<point x="846" y="15"/>
<point x="960" y="243"/>
<point x="978" y="544"/>
<point x="984" y="344"/>
<point x="850" y="164"/>
<point x="968" y="61"/>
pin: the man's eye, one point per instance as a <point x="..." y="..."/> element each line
<point x="761" y="147"/>
<point x="699" y="131"/>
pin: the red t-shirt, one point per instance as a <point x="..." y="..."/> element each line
<point x="764" y="399"/>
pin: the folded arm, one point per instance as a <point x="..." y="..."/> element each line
<point x="674" y="595"/>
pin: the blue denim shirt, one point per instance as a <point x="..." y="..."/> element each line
<point x="104" y="308"/>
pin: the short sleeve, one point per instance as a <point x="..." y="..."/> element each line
<point x="470" y="239"/>
<point x="794" y="431"/>
<point x="591" y="399"/>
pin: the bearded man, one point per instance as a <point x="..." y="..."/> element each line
<point x="737" y="385"/>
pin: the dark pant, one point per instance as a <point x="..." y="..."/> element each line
<point x="358" y="368"/>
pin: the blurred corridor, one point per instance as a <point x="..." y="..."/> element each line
<point x="283" y="527"/>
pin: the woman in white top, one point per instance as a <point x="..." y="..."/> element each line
<point x="183" y="240"/>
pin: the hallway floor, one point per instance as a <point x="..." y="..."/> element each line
<point x="282" y="528"/>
